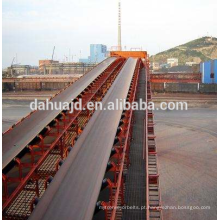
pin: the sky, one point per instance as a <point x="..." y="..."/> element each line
<point x="31" y="28"/>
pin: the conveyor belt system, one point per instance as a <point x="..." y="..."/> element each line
<point x="75" y="188"/>
<point x="87" y="164"/>
<point x="23" y="133"/>
<point x="38" y="160"/>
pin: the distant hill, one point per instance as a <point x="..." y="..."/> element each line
<point x="198" y="50"/>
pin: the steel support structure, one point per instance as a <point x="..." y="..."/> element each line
<point x="15" y="140"/>
<point x="82" y="175"/>
<point x="120" y="157"/>
<point x="153" y="197"/>
<point x="176" y="78"/>
<point x="124" y="164"/>
<point x="27" y="178"/>
<point x="94" y="144"/>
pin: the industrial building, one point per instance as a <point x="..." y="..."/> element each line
<point x="47" y="67"/>
<point x="38" y="82"/>
<point x="98" y="52"/>
<point x="67" y="68"/>
<point x="172" y="62"/>
<point x="16" y="70"/>
<point x="191" y="63"/>
<point x="209" y="71"/>
<point x="155" y="65"/>
<point x="43" y="63"/>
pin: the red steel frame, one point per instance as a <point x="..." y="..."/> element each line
<point x="125" y="139"/>
<point x="176" y="78"/>
<point x="49" y="99"/>
<point x="116" y="195"/>
<point x="123" y="156"/>
<point x="94" y="92"/>
<point x="71" y="122"/>
<point x="151" y="151"/>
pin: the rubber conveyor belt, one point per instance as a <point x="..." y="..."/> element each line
<point x="74" y="190"/>
<point x="23" y="133"/>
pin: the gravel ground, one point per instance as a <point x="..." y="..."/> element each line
<point x="13" y="111"/>
<point x="187" y="157"/>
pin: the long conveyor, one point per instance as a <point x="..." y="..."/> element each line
<point x="75" y="188"/>
<point x="23" y="133"/>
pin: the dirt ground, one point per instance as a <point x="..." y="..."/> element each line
<point x="187" y="157"/>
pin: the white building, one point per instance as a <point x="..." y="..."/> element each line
<point x="191" y="63"/>
<point x="156" y="66"/>
<point x="172" y="62"/>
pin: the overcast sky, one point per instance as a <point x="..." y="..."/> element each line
<point x="32" y="27"/>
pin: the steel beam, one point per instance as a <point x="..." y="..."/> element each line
<point x="153" y="197"/>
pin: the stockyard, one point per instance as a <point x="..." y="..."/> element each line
<point x="118" y="164"/>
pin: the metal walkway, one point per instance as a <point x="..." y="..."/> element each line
<point x="135" y="184"/>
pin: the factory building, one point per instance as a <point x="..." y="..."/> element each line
<point x="43" y="63"/>
<point x="172" y="62"/>
<point x="17" y="70"/>
<point x="67" y="68"/>
<point x="191" y="63"/>
<point x="209" y="71"/>
<point x="98" y="52"/>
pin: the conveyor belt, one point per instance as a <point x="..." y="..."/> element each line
<point x="23" y="133"/>
<point x="75" y="188"/>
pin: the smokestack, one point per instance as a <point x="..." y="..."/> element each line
<point x="119" y="26"/>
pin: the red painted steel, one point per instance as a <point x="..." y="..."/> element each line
<point x="61" y="128"/>
<point x="60" y="131"/>
<point x="151" y="151"/>
<point x="176" y="77"/>
<point x="82" y="173"/>
<point x="15" y="140"/>
<point x="125" y="147"/>
<point x="147" y="69"/>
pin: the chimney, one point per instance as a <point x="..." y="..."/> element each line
<point x="119" y="26"/>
